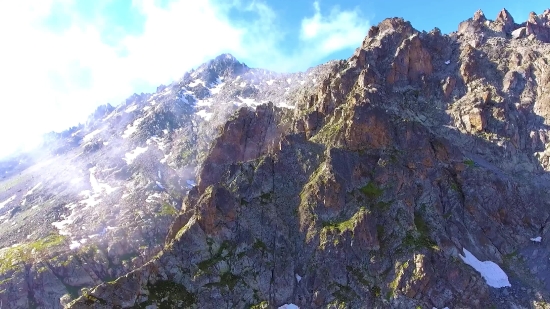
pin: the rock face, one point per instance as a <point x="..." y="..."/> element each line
<point x="419" y="146"/>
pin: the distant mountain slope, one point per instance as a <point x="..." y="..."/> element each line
<point x="98" y="199"/>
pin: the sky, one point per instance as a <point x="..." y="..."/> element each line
<point x="60" y="59"/>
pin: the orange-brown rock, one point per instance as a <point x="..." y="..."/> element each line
<point x="448" y="86"/>
<point x="505" y="21"/>
<point x="412" y="61"/>
<point x="478" y="120"/>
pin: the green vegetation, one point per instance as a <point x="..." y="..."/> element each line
<point x="347" y="225"/>
<point x="371" y="190"/>
<point x="224" y="253"/>
<point x="220" y="255"/>
<point x="266" y="198"/>
<point x="383" y="206"/>
<point x="328" y="132"/>
<point x="394" y="284"/>
<point x="24" y="253"/>
<point x="91" y="300"/>
<point x="168" y="210"/>
<point x="511" y="256"/>
<point x="227" y="279"/>
<point x="13" y="181"/>
<point x="358" y="274"/>
<point x="333" y="228"/>
<point x="128" y="256"/>
<point x="376" y="291"/>
<point x="454" y="186"/>
<point x="469" y="162"/>
<point x="342" y="296"/>
<point x="259" y="245"/>
<point x="420" y="238"/>
<point x="263" y="305"/>
<point x="168" y="294"/>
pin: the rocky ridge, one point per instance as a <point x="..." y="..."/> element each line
<point x="97" y="200"/>
<point x="372" y="192"/>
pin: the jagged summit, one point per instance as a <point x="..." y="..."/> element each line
<point x="223" y="66"/>
<point x="536" y="26"/>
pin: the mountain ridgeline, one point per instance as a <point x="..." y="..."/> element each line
<point x="414" y="174"/>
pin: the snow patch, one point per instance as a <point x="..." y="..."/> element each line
<point x="132" y="128"/>
<point x="448" y="62"/>
<point x="163" y="160"/>
<point x="204" y="114"/>
<point x="151" y="198"/>
<point x="91" y="135"/>
<point x="288" y="80"/>
<point x="6" y="202"/>
<point x="270" y="82"/>
<point x="536" y="239"/>
<point x="61" y="226"/>
<point x="131" y="109"/>
<point x="98" y="187"/>
<point x="160" y="185"/>
<point x="289" y="306"/>
<point x="146" y="108"/>
<point x="74" y="245"/>
<point x="190" y="183"/>
<point x="207" y="102"/>
<point x="91" y="201"/>
<point x="249" y="101"/>
<point x="285" y="105"/>
<point x="129" y="157"/>
<point x="31" y="191"/>
<point x="298" y="278"/>
<point x="490" y="271"/>
<point x="196" y="82"/>
<point x="243" y="84"/>
<point x="217" y="89"/>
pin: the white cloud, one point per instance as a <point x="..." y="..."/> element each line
<point x="50" y="80"/>
<point x="337" y="31"/>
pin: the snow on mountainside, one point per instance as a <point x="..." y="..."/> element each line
<point x="97" y="200"/>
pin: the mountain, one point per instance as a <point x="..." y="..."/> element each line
<point x="97" y="200"/>
<point x="412" y="175"/>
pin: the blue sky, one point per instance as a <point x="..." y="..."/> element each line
<point x="61" y="58"/>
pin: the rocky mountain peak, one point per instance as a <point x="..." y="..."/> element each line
<point x="506" y="21"/>
<point x="223" y="66"/>
<point x="539" y="26"/>
<point x="536" y="26"/>
<point x="479" y="16"/>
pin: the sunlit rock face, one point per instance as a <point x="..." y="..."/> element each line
<point x="414" y="174"/>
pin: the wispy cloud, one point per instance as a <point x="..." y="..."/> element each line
<point x="338" y="30"/>
<point x="51" y="78"/>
